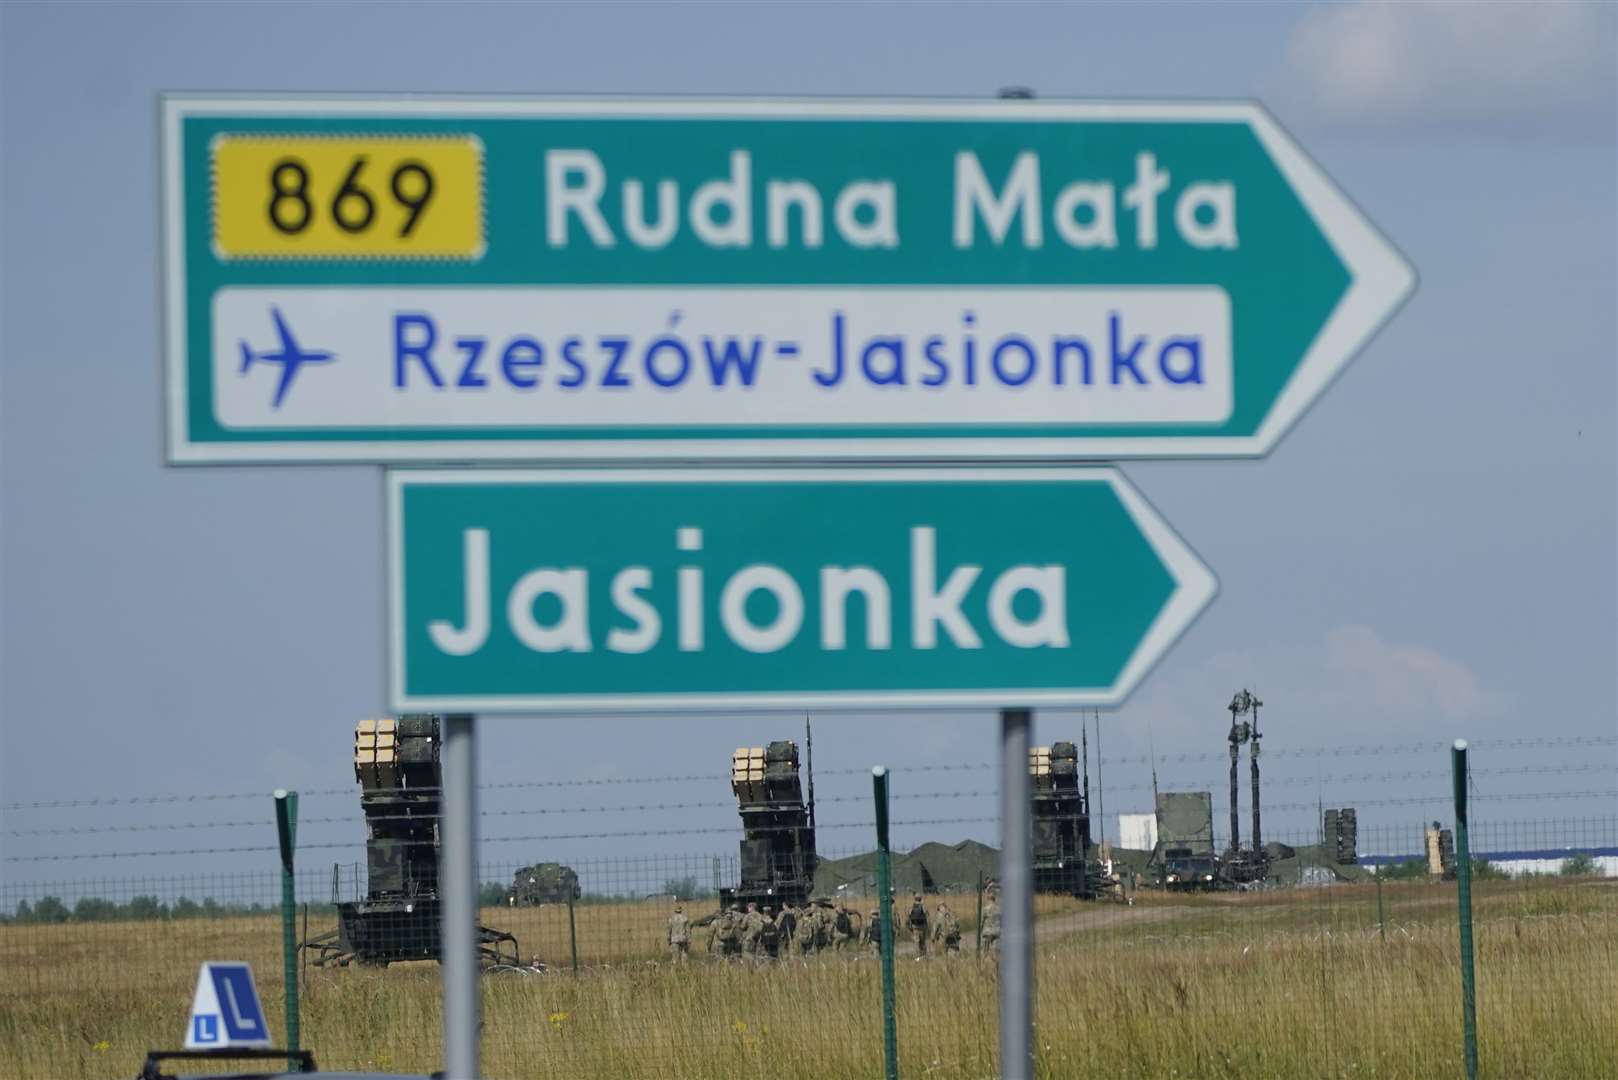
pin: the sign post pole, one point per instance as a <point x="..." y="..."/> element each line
<point x="1016" y="898"/>
<point x="457" y="883"/>
<point x="286" y="826"/>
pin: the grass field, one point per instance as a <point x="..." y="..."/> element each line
<point x="1294" y="984"/>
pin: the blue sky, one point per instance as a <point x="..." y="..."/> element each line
<point x="1430" y="553"/>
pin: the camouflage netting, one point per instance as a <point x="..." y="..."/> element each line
<point x="932" y="867"/>
<point x="935" y="867"/>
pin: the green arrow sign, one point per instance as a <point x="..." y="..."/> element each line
<point x="581" y="280"/>
<point x="606" y="591"/>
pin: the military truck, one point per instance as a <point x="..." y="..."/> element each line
<point x="543" y="883"/>
<point x="1184" y="859"/>
<point x="1061" y="813"/>
<point x="778" y="858"/>
<point x="396" y="764"/>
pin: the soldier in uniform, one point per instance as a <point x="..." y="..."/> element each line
<point x="844" y="928"/>
<point x="917" y="921"/>
<point x="679" y="935"/>
<point x="786" y="925"/>
<point x="824" y="918"/>
<point x="947" y="928"/>
<point x="771" y="938"/>
<point x="989" y="932"/>
<point x="727" y="933"/>
<point x="808" y="929"/>
<point x="752" y="932"/>
<point x="872" y="933"/>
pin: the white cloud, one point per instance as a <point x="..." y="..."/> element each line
<point x="1341" y="712"/>
<point x="1505" y="64"/>
<point x="1405" y="679"/>
<point x="1350" y="686"/>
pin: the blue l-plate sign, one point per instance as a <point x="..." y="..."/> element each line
<point x="225" y="1013"/>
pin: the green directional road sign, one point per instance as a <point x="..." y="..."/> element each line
<point x="534" y="591"/>
<point x="613" y="280"/>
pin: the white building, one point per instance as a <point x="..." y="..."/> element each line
<point x="1137" y="832"/>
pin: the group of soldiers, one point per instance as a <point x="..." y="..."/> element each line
<point x="819" y="926"/>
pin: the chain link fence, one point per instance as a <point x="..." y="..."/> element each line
<point x="1337" y="956"/>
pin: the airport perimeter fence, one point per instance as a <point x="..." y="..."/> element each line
<point x="1340" y="960"/>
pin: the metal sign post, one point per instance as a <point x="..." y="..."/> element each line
<point x="1016" y="898"/>
<point x="476" y="280"/>
<point x="458" y="890"/>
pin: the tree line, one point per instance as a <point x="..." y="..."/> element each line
<point x="49" y="910"/>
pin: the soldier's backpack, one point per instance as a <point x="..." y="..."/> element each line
<point x="918" y="914"/>
<point x="727" y="928"/>
<point x="844" y="926"/>
<point x="806" y="929"/>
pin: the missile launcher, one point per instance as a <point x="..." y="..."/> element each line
<point x="1061" y="812"/>
<point x="778" y="836"/>
<point x="396" y="764"/>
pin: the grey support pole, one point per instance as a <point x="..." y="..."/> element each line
<point x="458" y="889"/>
<point x="1016" y="898"/>
<point x="1017" y="869"/>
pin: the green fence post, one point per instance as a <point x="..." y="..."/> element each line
<point x="884" y="900"/>
<point x="573" y="935"/>
<point x="1463" y="890"/>
<point x="980" y="914"/>
<point x="1381" y="916"/>
<point x="286" y="826"/>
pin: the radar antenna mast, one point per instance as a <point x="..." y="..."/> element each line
<point x="1244" y="702"/>
<point x="1151" y="752"/>
<point x="1252" y="757"/>
<point x="1084" y="744"/>
<point x="809" y="753"/>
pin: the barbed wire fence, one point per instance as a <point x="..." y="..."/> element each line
<point x="1345" y="959"/>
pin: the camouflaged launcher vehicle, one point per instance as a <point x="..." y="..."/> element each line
<point x="778" y="858"/>
<point x="397" y="766"/>
<point x="1061" y="812"/>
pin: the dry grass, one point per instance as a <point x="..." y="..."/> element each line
<point x="1279" y="985"/>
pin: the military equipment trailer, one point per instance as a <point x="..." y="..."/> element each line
<point x="396" y="764"/>
<point x="778" y="857"/>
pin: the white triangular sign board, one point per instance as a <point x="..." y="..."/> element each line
<point x="225" y="1013"/>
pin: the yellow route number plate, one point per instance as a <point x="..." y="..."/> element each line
<point x="347" y="197"/>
